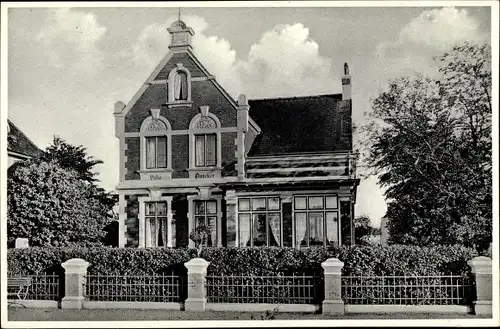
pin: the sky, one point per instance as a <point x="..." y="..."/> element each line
<point x="67" y="67"/>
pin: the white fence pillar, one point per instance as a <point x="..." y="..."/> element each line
<point x="482" y="268"/>
<point x="75" y="272"/>
<point x="333" y="286"/>
<point x="197" y="270"/>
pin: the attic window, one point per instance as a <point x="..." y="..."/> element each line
<point x="179" y="87"/>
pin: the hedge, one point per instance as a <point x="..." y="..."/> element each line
<point x="358" y="260"/>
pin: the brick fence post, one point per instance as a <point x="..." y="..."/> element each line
<point x="75" y="271"/>
<point x="333" y="293"/>
<point x="197" y="270"/>
<point x="481" y="268"/>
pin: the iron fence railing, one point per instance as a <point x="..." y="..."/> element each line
<point x="43" y="287"/>
<point x="408" y="290"/>
<point x="291" y="289"/>
<point x="158" y="288"/>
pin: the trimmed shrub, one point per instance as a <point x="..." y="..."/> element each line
<point x="103" y="260"/>
<point x="358" y="260"/>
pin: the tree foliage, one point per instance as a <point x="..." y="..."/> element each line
<point x="429" y="142"/>
<point x="77" y="194"/>
<point x="52" y="206"/>
<point x="363" y="230"/>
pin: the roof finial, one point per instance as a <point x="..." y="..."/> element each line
<point x="179" y="13"/>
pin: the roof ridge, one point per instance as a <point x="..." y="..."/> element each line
<point x="294" y="97"/>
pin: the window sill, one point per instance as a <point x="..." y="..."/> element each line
<point x="204" y="168"/>
<point x="179" y="104"/>
<point x="154" y="170"/>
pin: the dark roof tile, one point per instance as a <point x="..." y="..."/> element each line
<point x="19" y="143"/>
<point x="309" y="124"/>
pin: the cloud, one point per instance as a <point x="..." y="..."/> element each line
<point x="283" y="62"/>
<point x="79" y="30"/>
<point x="432" y="33"/>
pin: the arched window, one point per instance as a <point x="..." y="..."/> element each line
<point x="179" y="87"/>
<point x="205" y="141"/>
<point x="205" y="144"/>
<point x="155" y="144"/>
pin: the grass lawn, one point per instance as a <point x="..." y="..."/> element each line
<point x="53" y="314"/>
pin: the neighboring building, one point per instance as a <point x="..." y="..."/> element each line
<point x="276" y="172"/>
<point x="384" y="231"/>
<point x="19" y="146"/>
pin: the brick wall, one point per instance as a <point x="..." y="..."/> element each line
<point x="132" y="153"/>
<point x="180" y="156"/>
<point x="228" y="150"/>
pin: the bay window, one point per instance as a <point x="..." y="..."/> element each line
<point x="259" y="221"/>
<point x="316" y="220"/>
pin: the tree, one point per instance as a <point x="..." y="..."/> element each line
<point x="363" y="230"/>
<point x="429" y="142"/>
<point x="71" y="157"/>
<point x="75" y="158"/>
<point x="200" y="237"/>
<point x="52" y="206"/>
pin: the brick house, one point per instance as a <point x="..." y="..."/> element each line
<point x="266" y="172"/>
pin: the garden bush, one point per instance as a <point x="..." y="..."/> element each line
<point x="358" y="260"/>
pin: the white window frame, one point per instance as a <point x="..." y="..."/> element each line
<point x="198" y="131"/>
<point x="252" y="212"/>
<point x="191" y="215"/>
<point x="171" y="101"/>
<point x="144" y="134"/>
<point x="307" y="211"/>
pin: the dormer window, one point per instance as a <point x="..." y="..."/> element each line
<point x="179" y="87"/>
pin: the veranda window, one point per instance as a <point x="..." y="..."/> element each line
<point x="260" y="221"/>
<point x="316" y="220"/>
<point x="156" y="152"/>
<point x="156" y="219"/>
<point x="205" y="150"/>
<point x="206" y="214"/>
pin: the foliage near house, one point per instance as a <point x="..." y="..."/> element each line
<point x="52" y="207"/>
<point x="54" y="200"/>
<point x="363" y="231"/>
<point x="429" y="141"/>
<point x="358" y="260"/>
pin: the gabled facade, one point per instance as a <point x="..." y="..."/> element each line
<point x="275" y="172"/>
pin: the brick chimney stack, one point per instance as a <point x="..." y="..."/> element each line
<point x="346" y="83"/>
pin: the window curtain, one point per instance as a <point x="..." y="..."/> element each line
<point x="211" y="150"/>
<point x="200" y="151"/>
<point x="154" y="232"/>
<point x="300" y="229"/>
<point x="150" y="152"/>
<point x="163" y="225"/>
<point x="162" y="152"/>
<point x="180" y="86"/>
<point x="244" y="230"/>
<point x="316" y="228"/>
<point x="212" y="222"/>
<point x="274" y="225"/>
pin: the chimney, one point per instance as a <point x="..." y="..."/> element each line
<point x="181" y="36"/>
<point x="346" y="83"/>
